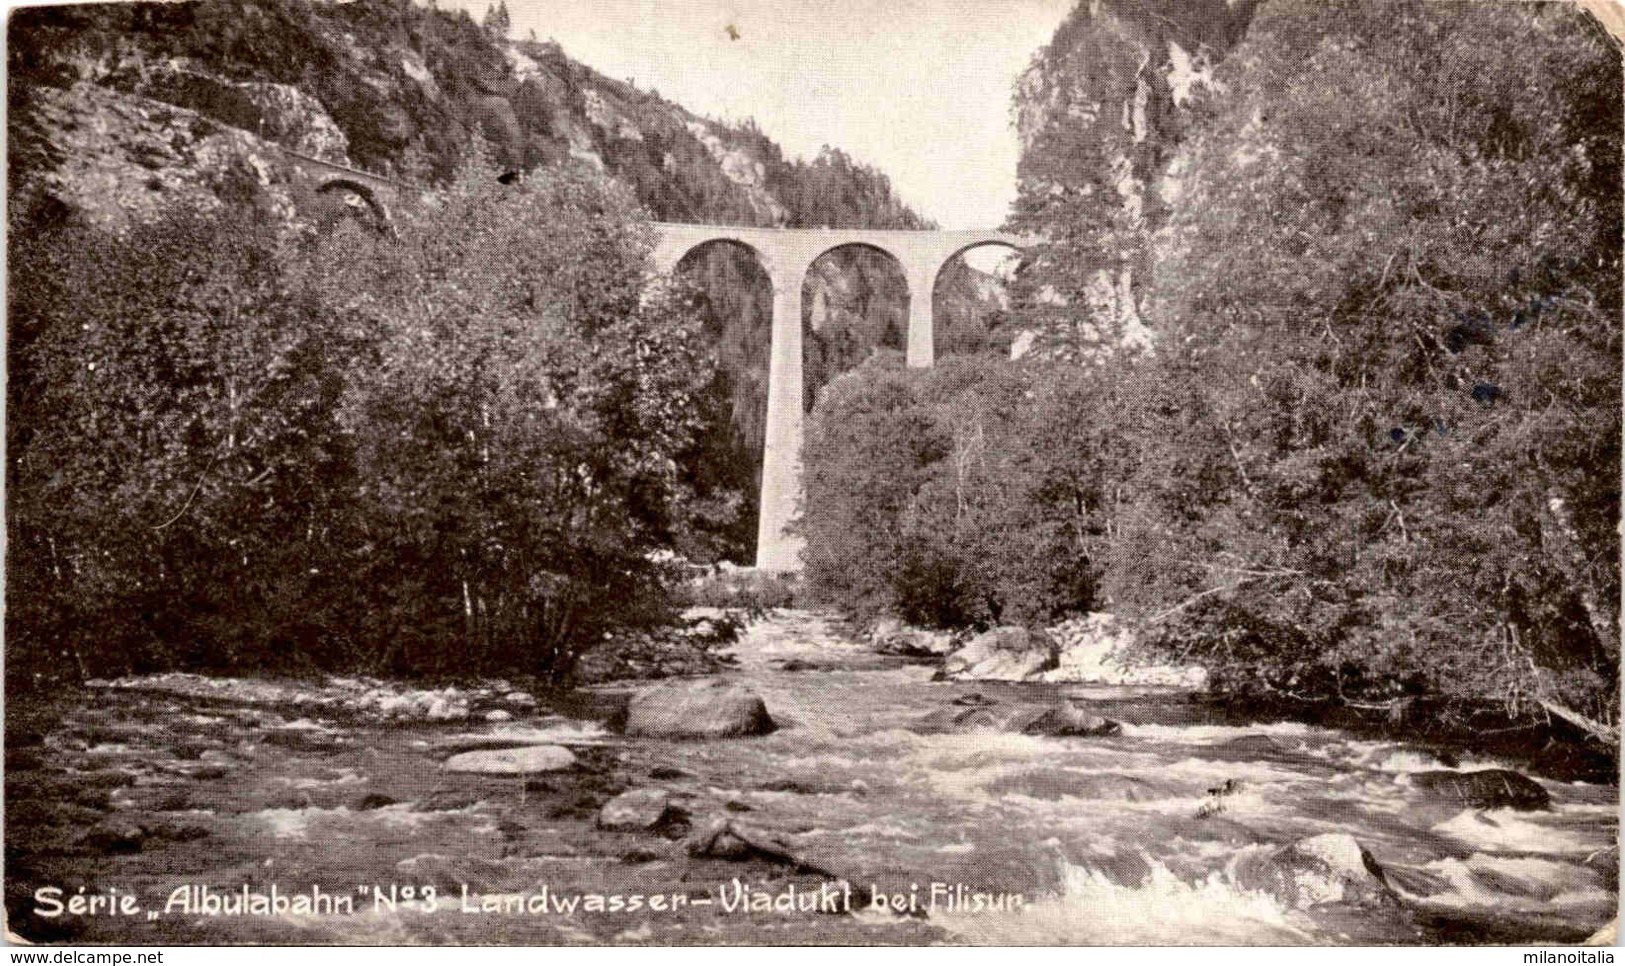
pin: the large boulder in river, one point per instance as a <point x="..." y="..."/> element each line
<point x="1098" y="649"/>
<point x="1068" y="721"/>
<point x="1315" y="871"/>
<point x="892" y="636"/>
<point x="529" y="760"/>
<point x="716" y="711"/>
<point x="1002" y="654"/>
<point x="1489" y="788"/>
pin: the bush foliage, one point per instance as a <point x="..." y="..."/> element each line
<point x="1401" y="340"/>
<point x="451" y="449"/>
<point x="970" y="494"/>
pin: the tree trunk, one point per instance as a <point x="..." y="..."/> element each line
<point x="1606" y="733"/>
<point x="1566" y="544"/>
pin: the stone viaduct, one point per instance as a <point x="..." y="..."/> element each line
<point x="786" y="255"/>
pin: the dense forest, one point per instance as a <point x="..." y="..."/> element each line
<point x="1368" y="454"/>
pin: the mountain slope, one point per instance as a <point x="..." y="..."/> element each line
<point x="402" y="91"/>
<point x="1101" y="112"/>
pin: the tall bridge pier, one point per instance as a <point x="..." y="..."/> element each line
<point x="786" y="255"/>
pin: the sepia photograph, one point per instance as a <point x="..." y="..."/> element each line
<point x="813" y="472"/>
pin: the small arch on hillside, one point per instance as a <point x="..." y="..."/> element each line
<point x="361" y="196"/>
<point x="854" y="303"/>
<point x="970" y="301"/>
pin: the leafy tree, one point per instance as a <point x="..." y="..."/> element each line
<point x="869" y="448"/>
<point x="1388" y="308"/>
<point x="451" y="448"/>
<point x="519" y="420"/>
<point x="976" y="493"/>
<point x="177" y="481"/>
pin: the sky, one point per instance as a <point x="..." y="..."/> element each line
<point x="917" y="88"/>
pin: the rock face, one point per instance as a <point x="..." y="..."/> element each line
<point x="530" y="760"/>
<point x="387" y="92"/>
<point x="1057" y="721"/>
<point x="1489" y="788"/>
<point x="1002" y="654"/>
<point x="277" y="112"/>
<point x="1316" y="871"/>
<point x="717" y="711"/>
<point x="1120" y="77"/>
<point x="118" y="158"/>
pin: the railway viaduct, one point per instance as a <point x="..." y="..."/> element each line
<point x="786" y="255"/>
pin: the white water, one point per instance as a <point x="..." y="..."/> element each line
<point x="1141" y="837"/>
<point x="1107" y="837"/>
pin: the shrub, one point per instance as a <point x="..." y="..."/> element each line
<point x="973" y="494"/>
<point x="177" y="475"/>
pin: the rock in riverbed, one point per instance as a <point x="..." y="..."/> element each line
<point x="716" y="711"/>
<point x="1489" y="788"/>
<point x="1054" y="720"/>
<point x="1002" y="654"/>
<point x="1315" y="871"/>
<point x="723" y="838"/>
<point x="639" y="810"/>
<point x="529" y="760"/>
<point x="892" y="636"/>
<point x="1096" y="648"/>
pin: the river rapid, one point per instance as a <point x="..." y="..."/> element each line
<point x="1128" y="839"/>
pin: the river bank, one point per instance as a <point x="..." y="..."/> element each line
<point x="1156" y="833"/>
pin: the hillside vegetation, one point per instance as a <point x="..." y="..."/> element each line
<point x="244" y="430"/>
<point x="1327" y="393"/>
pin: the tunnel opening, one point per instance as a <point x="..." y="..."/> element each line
<point x="341" y="199"/>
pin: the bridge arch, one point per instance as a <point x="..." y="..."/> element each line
<point x="855" y="298"/>
<point x="368" y="198"/>
<point x="735" y="303"/>
<point x="787" y="255"/>
<point x="690" y="249"/>
<point x="983" y="331"/>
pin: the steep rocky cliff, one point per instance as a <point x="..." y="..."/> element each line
<point x="1101" y="112"/>
<point x="119" y="109"/>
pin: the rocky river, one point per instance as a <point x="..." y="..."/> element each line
<point x="178" y="810"/>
